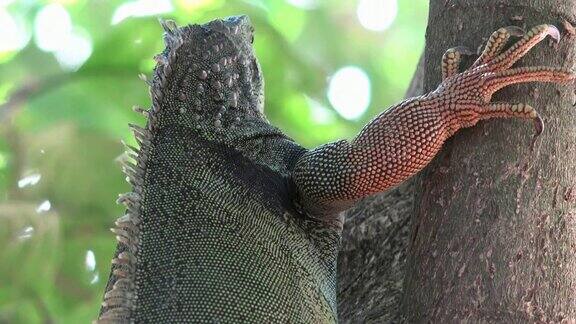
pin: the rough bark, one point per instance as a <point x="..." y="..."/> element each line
<point x="371" y="262"/>
<point x="494" y="230"/>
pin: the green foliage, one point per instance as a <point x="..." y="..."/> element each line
<point x="66" y="126"/>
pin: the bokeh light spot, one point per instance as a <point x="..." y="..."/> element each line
<point x="95" y="278"/>
<point x="377" y="15"/>
<point x="349" y="92"/>
<point x="141" y="8"/>
<point x="44" y="207"/>
<point x="90" y="260"/>
<point x="76" y="49"/>
<point x="304" y="4"/>
<point x="29" y="180"/>
<point x="12" y="35"/>
<point x="54" y="33"/>
<point x="5" y="2"/>
<point x="52" y="27"/>
<point x="26" y="233"/>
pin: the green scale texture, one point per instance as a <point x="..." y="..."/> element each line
<point x="216" y="247"/>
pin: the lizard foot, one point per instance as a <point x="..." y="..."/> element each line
<point x="474" y="87"/>
<point x="502" y="76"/>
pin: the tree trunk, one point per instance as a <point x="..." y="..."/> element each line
<point x="494" y="230"/>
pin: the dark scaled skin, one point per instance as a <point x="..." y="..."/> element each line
<point x="210" y="234"/>
<point x="404" y="139"/>
<point x="230" y="221"/>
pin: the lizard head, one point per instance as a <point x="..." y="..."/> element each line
<point x="210" y="70"/>
<point x="239" y="33"/>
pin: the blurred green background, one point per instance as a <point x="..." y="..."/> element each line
<point x="68" y="80"/>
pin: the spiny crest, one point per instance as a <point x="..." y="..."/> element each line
<point x="119" y="299"/>
<point x="169" y="26"/>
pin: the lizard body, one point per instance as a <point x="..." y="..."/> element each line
<point x="231" y="221"/>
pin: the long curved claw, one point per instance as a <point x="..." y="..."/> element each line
<point x="505" y="78"/>
<point x="496" y="43"/>
<point x="506" y="59"/>
<point x="451" y="60"/>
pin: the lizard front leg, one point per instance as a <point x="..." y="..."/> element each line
<point x="402" y="140"/>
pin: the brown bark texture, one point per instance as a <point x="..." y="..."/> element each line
<point x="371" y="263"/>
<point x="493" y="237"/>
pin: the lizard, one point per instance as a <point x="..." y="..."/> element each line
<point x="229" y="220"/>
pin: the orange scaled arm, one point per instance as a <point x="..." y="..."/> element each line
<point x="402" y="140"/>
